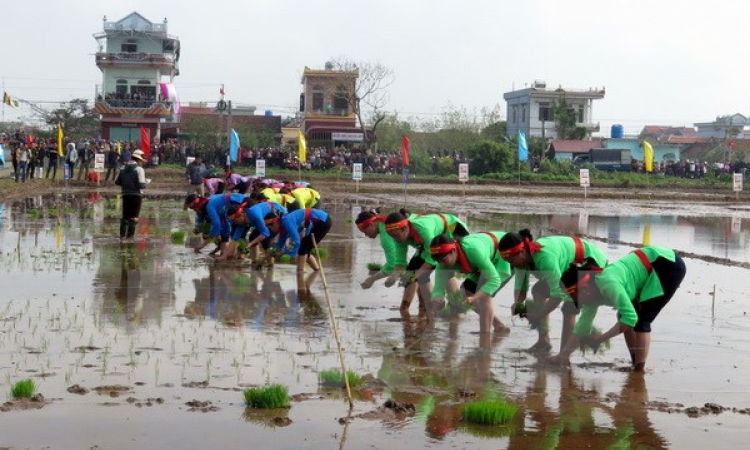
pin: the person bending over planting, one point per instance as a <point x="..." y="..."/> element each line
<point x="638" y="286"/>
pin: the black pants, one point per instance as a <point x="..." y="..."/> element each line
<point x="670" y="275"/>
<point x="111" y="170"/>
<point x="51" y="166"/>
<point x="319" y="230"/>
<point x="131" y="209"/>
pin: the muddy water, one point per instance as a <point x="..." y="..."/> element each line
<point x="161" y="342"/>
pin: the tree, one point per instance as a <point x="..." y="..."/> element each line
<point x="202" y="130"/>
<point x="488" y="156"/>
<point x="77" y="119"/>
<point x="390" y="131"/>
<point x="370" y="94"/>
<point x="566" y="120"/>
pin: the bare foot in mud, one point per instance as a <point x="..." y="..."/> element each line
<point x="540" y="347"/>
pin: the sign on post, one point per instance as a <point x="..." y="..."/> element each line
<point x="463" y="172"/>
<point x="737" y="182"/>
<point x="260" y="167"/>
<point x="99" y="161"/>
<point x="357" y="171"/>
<point x="585" y="180"/>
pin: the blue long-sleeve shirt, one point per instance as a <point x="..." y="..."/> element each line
<point x="293" y="223"/>
<point x="256" y="216"/>
<point x="216" y="210"/>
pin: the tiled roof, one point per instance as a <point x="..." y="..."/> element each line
<point x="575" y="146"/>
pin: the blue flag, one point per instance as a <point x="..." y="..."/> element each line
<point x="523" y="149"/>
<point x="2" y="155"/>
<point x="234" y="145"/>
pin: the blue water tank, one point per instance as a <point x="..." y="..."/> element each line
<point x="617" y="131"/>
<point x="269" y="113"/>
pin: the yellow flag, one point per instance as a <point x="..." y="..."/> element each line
<point x="118" y="148"/>
<point x="648" y="157"/>
<point x="59" y="140"/>
<point x="302" y="147"/>
<point x="647" y="234"/>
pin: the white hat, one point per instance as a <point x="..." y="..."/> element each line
<point x="138" y="154"/>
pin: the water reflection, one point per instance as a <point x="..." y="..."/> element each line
<point x="721" y="237"/>
<point x="253" y="299"/>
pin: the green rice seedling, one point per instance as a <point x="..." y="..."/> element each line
<point x="488" y="412"/>
<point x="285" y="259"/>
<point x="320" y="252"/>
<point x="333" y="377"/>
<point x="586" y="342"/>
<point x="269" y="397"/>
<point x="374" y="267"/>
<point x="23" y="389"/>
<point x="455" y="304"/>
<point x="178" y="237"/>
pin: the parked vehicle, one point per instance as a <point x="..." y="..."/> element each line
<point x="607" y="159"/>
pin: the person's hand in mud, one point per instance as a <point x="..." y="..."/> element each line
<point x="202" y="245"/>
<point x="438" y="303"/>
<point x="592" y="341"/>
<point x="392" y="279"/>
<point x="519" y="309"/>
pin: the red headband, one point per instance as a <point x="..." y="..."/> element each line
<point x="442" y="249"/>
<point x="240" y="211"/>
<point x="397" y="225"/>
<point x="526" y="243"/>
<point x="367" y="222"/>
<point x="573" y="289"/>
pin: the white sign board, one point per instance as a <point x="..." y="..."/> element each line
<point x="189" y="159"/>
<point x="585" y="180"/>
<point x="347" y="137"/>
<point x="99" y="161"/>
<point x="357" y="171"/>
<point x="737" y="182"/>
<point x="463" y="172"/>
<point x="260" y="167"/>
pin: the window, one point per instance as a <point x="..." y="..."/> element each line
<point x="317" y="98"/>
<point x="580" y="114"/>
<point x="523" y="114"/>
<point x="515" y="111"/>
<point x="341" y="99"/>
<point x="129" y="48"/>
<point x="546" y="113"/>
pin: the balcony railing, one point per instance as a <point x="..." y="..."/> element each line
<point x="331" y="112"/>
<point x="138" y="58"/>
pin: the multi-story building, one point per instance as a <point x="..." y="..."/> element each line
<point x="138" y="60"/>
<point x="725" y="127"/>
<point x="326" y="104"/>
<point x="532" y="109"/>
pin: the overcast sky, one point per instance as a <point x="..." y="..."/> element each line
<point x="665" y="62"/>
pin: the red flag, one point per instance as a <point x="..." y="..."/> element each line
<point x="221" y="90"/>
<point x="30" y="139"/>
<point x="405" y="149"/>
<point x="145" y="143"/>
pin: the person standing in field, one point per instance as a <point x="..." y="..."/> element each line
<point x="132" y="180"/>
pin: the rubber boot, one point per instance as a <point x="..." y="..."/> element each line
<point x="123" y="228"/>
<point x="131" y="228"/>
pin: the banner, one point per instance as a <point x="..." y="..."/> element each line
<point x="648" y="157"/>
<point x="234" y="145"/>
<point x="145" y="143"/>
<point x="60" y="150"/>
<point x="302" y="144"/>
<point x="405" y="144"/>
<point x="523" y="148"/>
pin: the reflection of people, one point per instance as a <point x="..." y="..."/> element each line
<point x="630" y="411"/>
<point x="132" y="180"/>
<point x="476" y="256"/>
<point x="546" y="258"/>
<point x="128" y="292"/>
<point x="638" y="285"/>
<point x="372" y="224"/>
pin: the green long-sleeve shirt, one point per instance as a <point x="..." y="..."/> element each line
<point x="427" y="227"/>
<point x="556" y="255"/>
<point x="488" y="269"/>
<point x="622" y="284"/>
<point x="392" y="257"/>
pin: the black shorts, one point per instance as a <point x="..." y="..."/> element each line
<point x="670" y="275"/>
<point x="319" y="230"/>
<point x="414" y="264"/>
<point x="265" y="243"/>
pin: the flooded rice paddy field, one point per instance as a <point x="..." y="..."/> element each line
<point x="148" y="345"/>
